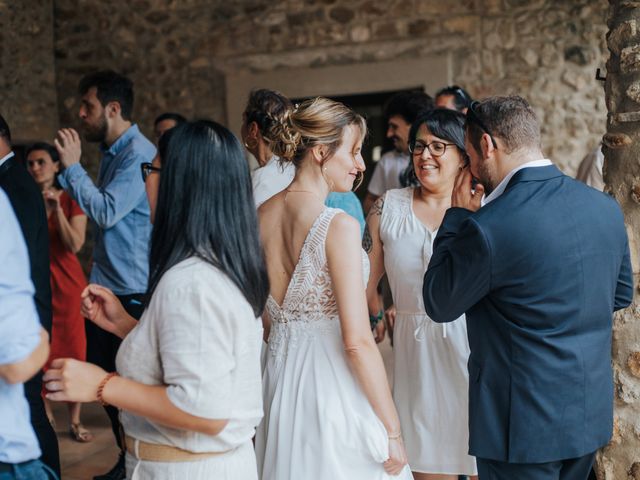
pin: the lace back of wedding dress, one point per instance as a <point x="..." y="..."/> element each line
<point x="309" y="306"/>
<point x="309" y="296"/>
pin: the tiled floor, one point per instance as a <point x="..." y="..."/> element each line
<point x="81" y="461"/>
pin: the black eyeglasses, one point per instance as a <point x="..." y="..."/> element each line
<point x="146" y="168"/>
<point x="436" y="148"/>
<point x="472" y="115"/>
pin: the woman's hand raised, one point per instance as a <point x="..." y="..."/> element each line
<point x="103" y="308"/>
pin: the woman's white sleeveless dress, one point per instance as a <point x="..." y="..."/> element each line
<point x="318" y="424"/>
<point x="430" y="379"/>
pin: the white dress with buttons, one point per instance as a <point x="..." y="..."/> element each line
<point x="431" y="382"/>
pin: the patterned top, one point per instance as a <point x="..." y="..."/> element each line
<point x="309" y="303"/>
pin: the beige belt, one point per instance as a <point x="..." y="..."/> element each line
<point x="153" y="452"/>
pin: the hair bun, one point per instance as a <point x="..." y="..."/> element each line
<point x="285" y="138"/>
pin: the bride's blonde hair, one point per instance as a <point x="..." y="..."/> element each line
<point x="319" y="121"/>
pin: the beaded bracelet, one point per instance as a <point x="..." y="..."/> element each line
<point x="394" y="436"/>
<point x="374" y="319"/>
<point x="104" y="381"/>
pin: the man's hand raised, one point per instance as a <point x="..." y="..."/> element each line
<point x="464" y="195"/>
<point x="69" y="147"/>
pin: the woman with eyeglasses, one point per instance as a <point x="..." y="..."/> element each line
<point x="188" y="374"/>
<point x="430" y="359"/>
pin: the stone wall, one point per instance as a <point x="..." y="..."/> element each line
<point x="178" y="52"/>
<point x="621" y="458"/>
<point x="28" y="99"/>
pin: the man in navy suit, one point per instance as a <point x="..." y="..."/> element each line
<point x="539" y="271"/>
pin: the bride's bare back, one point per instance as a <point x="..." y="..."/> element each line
<point x="285" y="221"/>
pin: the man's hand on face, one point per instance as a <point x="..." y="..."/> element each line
<point x="69" y="146"/>
<point x="464" y="195"/>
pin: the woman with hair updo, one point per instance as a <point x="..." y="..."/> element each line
<point x="188" y="374"/>
<point x="329" y="414"/>
<point x="266" y="110"/>
<point x="430" y="359"/>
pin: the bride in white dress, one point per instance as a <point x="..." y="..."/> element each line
<point x="328" y="414"/>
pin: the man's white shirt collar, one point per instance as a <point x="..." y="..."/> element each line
<point x="6" y="157"/>
<point x="499" y="190"/>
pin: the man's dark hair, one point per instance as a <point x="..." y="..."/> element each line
<point x="176" y="117"/>
<point x="5" y="132"/>
<point x="509" y="118"/>
<point x="205" y="209"/>
<point x="461" y="98"/>
<point x="408" y="105"/>
<point x="111" y="87"/>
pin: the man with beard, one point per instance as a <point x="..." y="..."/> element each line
<point x="539" y="271"/>
<point x="116" y="204"/>
<point x="400" y="112"/>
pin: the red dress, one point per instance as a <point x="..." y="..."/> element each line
<point x="68" y="339"/>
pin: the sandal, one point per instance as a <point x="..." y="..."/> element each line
<point x="79" y="433"/>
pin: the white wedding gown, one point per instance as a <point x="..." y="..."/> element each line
<point x="318" y="424"/>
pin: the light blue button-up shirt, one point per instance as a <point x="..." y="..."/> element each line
<point x="118" y="206"/>
<point x="19" y="336"/>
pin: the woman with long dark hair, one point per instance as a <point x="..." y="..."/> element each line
<point x="188" y="375"/>
<point x="430" y="380"/>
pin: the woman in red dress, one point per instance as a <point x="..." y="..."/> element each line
<point x="67" y="225"/>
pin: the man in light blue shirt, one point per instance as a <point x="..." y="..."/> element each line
<point x="24" y="348"/>
<point x="116" y="204"/>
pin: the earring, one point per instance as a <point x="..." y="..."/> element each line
<point x="250" y="147"/>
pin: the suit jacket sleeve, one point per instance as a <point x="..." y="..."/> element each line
<point x="459" y="272"/>
<point x="624" y="287"/>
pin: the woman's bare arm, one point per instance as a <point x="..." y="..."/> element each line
<point x="72" y="231"/>
<point x="372" y="244"/>
<point x="344" y="257"/>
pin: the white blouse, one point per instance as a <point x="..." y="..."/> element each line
<point x="199" y="337"/>
<point x="271" y="179"/>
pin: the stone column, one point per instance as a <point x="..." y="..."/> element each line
<point x="620" y="460"/>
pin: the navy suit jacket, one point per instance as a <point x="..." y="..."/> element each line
<point x="539" y="272"/>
